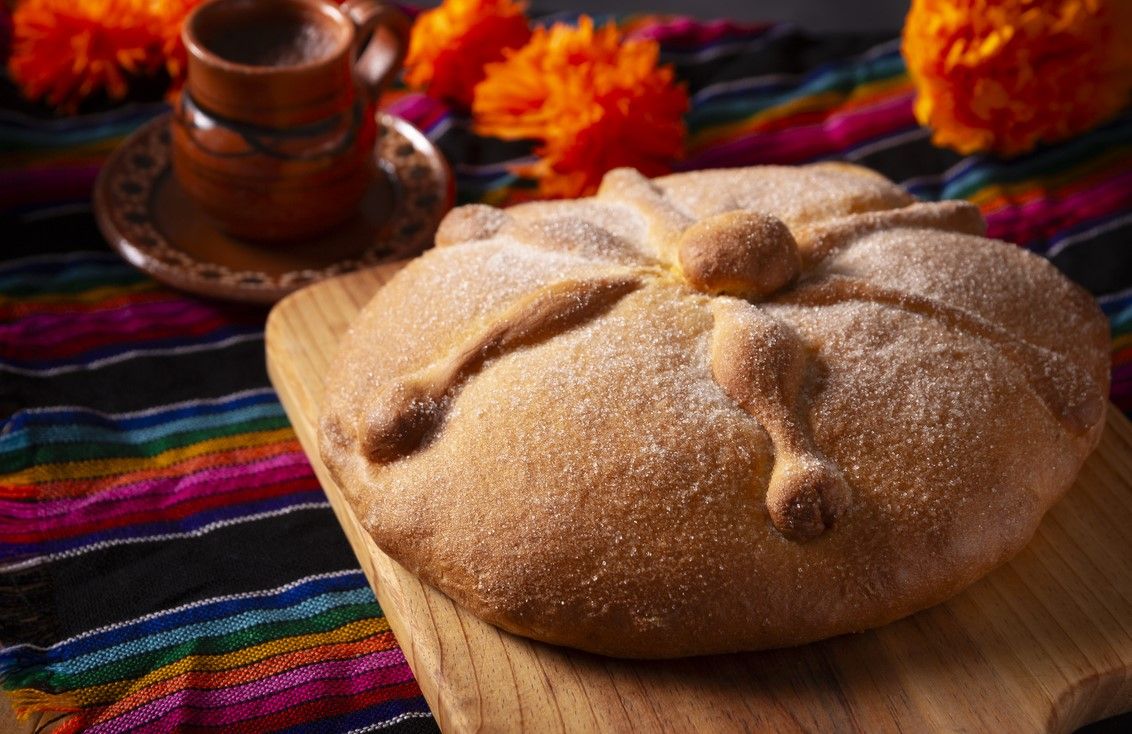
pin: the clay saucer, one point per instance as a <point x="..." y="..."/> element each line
<point x="147" y="217"/>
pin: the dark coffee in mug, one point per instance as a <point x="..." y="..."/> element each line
<point x="249" y="36"/>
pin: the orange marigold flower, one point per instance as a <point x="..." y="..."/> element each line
<point x="594" y="100"/>
<point x="1004" y="75"/>
<point x="168" y="17"/>
<point x="66" y="50"/>
<point x="450" y="44"/>
<point x="63" y="51"/>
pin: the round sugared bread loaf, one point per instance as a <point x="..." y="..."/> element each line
<point x="714" y="411"/>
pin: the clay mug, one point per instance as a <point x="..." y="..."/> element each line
<point x="273" y="133"/>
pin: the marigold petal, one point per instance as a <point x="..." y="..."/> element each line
<point x="1008" y="75"/>
<point x="449" y="45"/>
<point x="64" y="51"/>
<point x="593" y="100"/>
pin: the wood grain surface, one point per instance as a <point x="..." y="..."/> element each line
<point x="1042" y="644"/>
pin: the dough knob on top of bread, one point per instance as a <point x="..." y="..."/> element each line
<point x="745" y="254"/>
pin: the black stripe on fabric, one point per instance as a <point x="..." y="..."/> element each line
<point x="124" y="582"/>
<point x="340" y="724"/>
<point x="328" y="725"/>
<point x="415" y="725"/>
<point x="146" y="91"/>
<point x="43" y="235"/>
<point x="411" y="725"/>
<point x="141" y="382"/>
<point x="791" y="52"/>
<point x="909" y="159"/>
<point x="24" y="598"/>
<point x="459" y="145"/>
<point x="1101" y="265"/>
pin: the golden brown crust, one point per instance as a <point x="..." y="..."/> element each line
<point x="744" y="254"/>
<point x="469" y="224"/>
<point x="818" y="240"/>
<point x="558" y="421"/>
<point x="1068" y="391"/>
<point x="404" y="410"/>
<point x="760" y="363"/>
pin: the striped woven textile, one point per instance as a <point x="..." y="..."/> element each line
<point x="167" y="559"/>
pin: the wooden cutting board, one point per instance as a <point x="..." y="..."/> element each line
<point x="1042" y="644"/>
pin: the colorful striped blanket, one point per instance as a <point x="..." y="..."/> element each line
<point x="167" y="558"/>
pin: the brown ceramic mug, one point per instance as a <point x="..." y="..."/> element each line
<point x="273" y="134"/>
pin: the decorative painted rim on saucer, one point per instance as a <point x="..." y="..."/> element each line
<point x="419" y="178"/>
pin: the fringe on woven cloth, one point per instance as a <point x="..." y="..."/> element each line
<point x="60" y="712"/>
<point x="65" y="724"/>
<point x="25" y="595"/>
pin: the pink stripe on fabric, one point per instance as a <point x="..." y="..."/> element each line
<point x="152" y="493"/>
<point x="1039" y="220"/>
<point x="264" y="696"/>
<point x="696" y="34"/>
<point x="853" y="127"/>
<point x="113" y="314"/>
<point x="411" y="105"/>
<point x="419" y="109"/>
<point x="835" y="134"/>
<point x="45" y="330"/>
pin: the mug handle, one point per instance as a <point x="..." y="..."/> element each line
<point x="383" y="41"/>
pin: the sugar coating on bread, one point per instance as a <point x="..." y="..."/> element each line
<point x="715" y="411"/>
